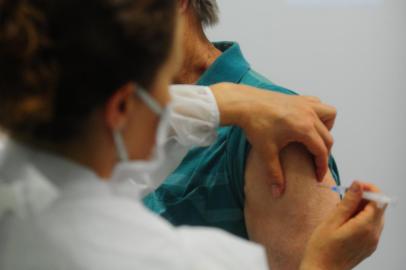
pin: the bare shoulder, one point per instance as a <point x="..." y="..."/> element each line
<point x="299" y="171"/>
<point x="284" y="225"/>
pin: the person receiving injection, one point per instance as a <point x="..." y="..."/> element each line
<point x="86" y="104"/>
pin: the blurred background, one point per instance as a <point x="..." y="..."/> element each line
<point x="351" y="54"/>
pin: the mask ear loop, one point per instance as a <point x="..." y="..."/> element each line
<point x="120" y="146"/>
<point x="148" y="100"/>
<point x="152" y="104"/>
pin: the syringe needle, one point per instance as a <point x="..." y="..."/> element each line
<point x="379" y="198"/>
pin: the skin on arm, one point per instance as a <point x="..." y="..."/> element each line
<point x="285" y="224"/>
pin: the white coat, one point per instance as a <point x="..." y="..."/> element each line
<point x="64" y="217"/>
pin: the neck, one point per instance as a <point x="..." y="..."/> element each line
<point x="87" y="155"/>
<point x="90" y="151"/>
<point x="200" y="54"/>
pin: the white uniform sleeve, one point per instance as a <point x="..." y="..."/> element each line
<point x="214" y="249"/>
<point x="193" y="120"/>
<point x="195" y="115"/>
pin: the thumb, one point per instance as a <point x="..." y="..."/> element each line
<point x="349" y="205"/>
<point x="275" y="173"/>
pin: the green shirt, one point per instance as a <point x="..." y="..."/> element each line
<point x="207" y="189"/>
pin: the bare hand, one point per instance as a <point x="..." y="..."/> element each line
<point x="272" y="120"/>
<point x="349" y="236"/>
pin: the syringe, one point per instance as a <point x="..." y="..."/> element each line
<point x="379" y="198"/>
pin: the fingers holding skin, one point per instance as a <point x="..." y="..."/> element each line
<point x="325" y="134"/>
<point x="329" y="123"/>
<point x="277" y="185"/>
<point x="324" y="120"/>
<point x="316" y="145"/>
<point x="322" y="161"/>
<point x="277" y="182"/>
<point x="275" y="171"/>
<point x="317" y="139"/>
<point x="281" y="119"/>
<point x="326" y="113"/>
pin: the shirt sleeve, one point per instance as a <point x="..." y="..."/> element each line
<point x="195" y="115"/>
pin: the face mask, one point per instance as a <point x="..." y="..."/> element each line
<point x="140" y="177"/>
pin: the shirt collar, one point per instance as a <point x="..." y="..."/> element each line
<point x="231" y="66"/>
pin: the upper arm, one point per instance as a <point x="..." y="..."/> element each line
<point x="284" y="225"/>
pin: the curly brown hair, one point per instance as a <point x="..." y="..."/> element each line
<point x="60" y="60"/>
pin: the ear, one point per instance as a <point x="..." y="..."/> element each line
<point x="183" y="5"/>
<point x="118" y="107"/>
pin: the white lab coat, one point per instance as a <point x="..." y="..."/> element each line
<point x="66" y="218"/>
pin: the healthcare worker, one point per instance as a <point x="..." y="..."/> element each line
<point x="84" y="99"/>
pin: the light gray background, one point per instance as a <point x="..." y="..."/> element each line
<point x="353" y="57"/>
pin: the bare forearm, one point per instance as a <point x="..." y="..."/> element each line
<point x="233" y="102"/>
<point x="284" y="225"/>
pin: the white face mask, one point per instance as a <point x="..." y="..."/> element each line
<point x="140" y="177"/>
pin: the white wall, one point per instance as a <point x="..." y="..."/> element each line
<point x="353" y="57"/>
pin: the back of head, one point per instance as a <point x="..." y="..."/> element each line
<point x="207" y="11"/>
<point x="61" y="60"/>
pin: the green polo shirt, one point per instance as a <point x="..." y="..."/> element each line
<point x="207" y="189"/>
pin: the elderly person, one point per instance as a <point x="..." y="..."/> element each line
<point x="84" y="111"/>
<point x="228" y="185"/>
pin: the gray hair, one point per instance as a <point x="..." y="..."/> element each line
<point x="207" y="10"/>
